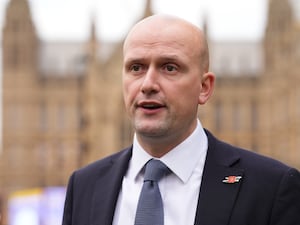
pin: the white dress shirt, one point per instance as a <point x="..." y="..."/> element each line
<point x="179" y="190"/>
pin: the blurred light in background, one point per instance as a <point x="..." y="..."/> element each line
<point x="40" y="206"/>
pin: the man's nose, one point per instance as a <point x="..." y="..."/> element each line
<point x="150" y="82"/>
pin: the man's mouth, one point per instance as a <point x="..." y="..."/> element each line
<point x="150" y="105"/>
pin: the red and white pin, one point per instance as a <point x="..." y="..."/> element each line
<point x="232" y="179"/>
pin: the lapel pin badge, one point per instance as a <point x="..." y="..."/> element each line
<point x="232" y="179"/>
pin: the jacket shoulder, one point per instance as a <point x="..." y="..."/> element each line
<point x="101" y="165"/>
<point x="241" y="157"/>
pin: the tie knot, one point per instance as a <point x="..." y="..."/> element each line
<point x="155" y="170"/>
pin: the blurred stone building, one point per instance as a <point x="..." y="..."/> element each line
<point x="63" y="105"/>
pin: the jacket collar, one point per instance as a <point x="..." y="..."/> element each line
<point x="107" y="189"/>
<point x="220" y="183"/>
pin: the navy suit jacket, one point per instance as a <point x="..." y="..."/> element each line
<point x="267" y="194"/>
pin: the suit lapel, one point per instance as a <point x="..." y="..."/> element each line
<point x="220" y="184"/>
<point x="107" y="189"/>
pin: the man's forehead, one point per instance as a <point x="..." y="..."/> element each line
<point x="166" y="47"/>
<point x="168" y="37"/>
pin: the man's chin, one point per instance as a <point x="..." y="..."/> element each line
<point x="150" y="129"/>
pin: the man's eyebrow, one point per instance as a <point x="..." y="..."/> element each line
<point x="163" y="57"/>
<point x="130" y="61"/>
<point x="134" y="59"/>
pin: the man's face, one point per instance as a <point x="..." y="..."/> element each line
<point x="161" y="81"/>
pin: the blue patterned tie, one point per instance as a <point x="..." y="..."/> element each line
<point x="150" y="207"/>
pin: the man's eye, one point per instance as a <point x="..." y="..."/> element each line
<point x="135" y="68"/>
<point x="170" y="68"/>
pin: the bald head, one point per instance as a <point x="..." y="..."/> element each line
<point x="171" y="29"/>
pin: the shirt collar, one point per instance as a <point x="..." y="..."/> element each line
<point x="182" y="160"/>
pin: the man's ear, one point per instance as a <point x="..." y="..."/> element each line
<point x="208" y="83"/>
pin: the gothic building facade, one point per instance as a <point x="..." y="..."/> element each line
<point x="63" y="111"/>
<point x="260" y="110"/>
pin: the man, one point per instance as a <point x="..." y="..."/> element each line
<point x="165" y="79"/>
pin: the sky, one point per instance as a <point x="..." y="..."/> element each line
<point x="71" y="19"/>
